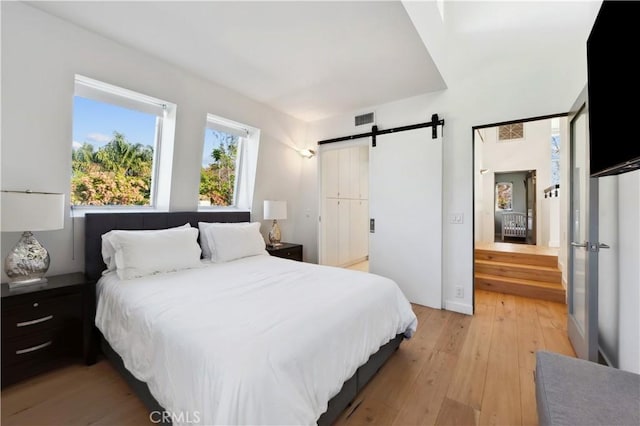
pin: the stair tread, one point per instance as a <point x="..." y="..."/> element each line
<point x="518" y="265"/>
<point x="514" y="253"/>
<point x="521" y="281"/>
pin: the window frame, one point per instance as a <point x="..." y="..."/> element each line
<point x="245" y="136"/>
<point x="98" y="91"/>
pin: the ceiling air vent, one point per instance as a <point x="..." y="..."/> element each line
<point x="363" y="119"/>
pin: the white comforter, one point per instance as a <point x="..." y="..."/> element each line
<point x="260" y="340"/>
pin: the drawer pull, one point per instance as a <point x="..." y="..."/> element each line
<point x="35" y="321"/>
<point x="33" y="348"/>
<point x="35" y="305"/>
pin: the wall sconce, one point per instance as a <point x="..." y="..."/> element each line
<point x="307" y="153"/>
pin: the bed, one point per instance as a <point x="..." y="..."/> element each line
<point x="255" y="340"/>
<point x="514" y="224"/>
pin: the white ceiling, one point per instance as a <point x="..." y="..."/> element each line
<point x="308" y="59"/>
<point x="314" y="59"/>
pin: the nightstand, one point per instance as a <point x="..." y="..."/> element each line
<point x="46" y="325"/>
<point x="287" y="251"/>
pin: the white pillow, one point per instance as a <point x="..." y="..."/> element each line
<point x="204" y="239"/>
<point x="108" y="251"/>
<point x="146" y="253"/>
<point x="230" y="241"/>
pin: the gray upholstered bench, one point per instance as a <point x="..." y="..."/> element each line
<point x="571" y="391"/>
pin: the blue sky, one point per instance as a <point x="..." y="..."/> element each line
<point x="94" y="122"/>
<point x="209" y="142"/>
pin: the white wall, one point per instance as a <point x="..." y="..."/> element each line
<point x="629" y="271"/>
<point x="41" y="54"/>
<point x="608" y="269"/>
<point x="619" y="270"/>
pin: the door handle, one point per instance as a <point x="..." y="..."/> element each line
<point x="595" y="247"/>
<point x="574" y="244"/>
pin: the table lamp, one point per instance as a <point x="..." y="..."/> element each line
<point x="275" y="210"/>
<point x="27" y="211"/>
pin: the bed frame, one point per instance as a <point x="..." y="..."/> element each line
<point x="514" y="224"/>
<point x="97" y="224"/>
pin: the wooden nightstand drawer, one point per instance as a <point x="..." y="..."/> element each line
<point x="46" y="326"/>
<point x="294" y="253"/>
<point x="37" y="347"/>
<point x="41" y="314"/>
<point x="287" y="251"/>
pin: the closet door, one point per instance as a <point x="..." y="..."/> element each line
<point x="330" y="227"/>
<point x="359" y="228"/>
<point x="330" y="174"/>
<point x="344" y="220"/>
<point x="344" y="173"/>
<point x="344" y="225"/>
<point x="363" y="155"/>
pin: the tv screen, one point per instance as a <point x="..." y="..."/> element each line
<point x="614" y="89"/>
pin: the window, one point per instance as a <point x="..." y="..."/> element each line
<point x="116" y="144"/>
<point x="218" y="171"/>
<point x="555" y="151"/>
<point x="227" y="171"/>
<point x="504" y="196"/>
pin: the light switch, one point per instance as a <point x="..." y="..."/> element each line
<point x="456" y="218"/>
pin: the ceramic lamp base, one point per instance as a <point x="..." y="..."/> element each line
<point x="27" y="263"/>
<point x="274" y="235"/>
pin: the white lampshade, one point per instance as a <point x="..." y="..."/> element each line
<point x="275" y="210"/>
<point x="31" y="211"/>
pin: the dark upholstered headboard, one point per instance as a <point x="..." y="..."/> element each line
<point x="97" y="224"/>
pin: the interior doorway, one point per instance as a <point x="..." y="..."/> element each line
<point x="519" y="236"/>
<point x="515" y="211"/>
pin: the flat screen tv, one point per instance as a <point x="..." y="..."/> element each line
<point x="613" y="87"/>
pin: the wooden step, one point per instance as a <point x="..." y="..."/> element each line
<point x="520" y="287"/>
<point x="513" y="270"/>
<point x="516" y="257"/>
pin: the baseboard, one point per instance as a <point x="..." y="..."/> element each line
<point x="461" y="308"/>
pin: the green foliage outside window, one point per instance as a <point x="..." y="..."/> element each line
<point x="118" y="173"/>
<point x="218" y="178"/>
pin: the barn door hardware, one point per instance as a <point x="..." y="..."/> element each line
<point x="434" y="123"/>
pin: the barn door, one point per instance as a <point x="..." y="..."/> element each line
<point x="405" y="204"/>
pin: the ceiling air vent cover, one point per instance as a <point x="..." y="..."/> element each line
<point x="363" y="119"/>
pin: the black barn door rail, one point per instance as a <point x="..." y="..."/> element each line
<point x="434" y="123"/>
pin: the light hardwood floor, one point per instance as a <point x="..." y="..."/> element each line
<point x="456" y="370"/>
<point x="360" y="266"/>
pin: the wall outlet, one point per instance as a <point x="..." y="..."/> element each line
<point x="459" y="292"/>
